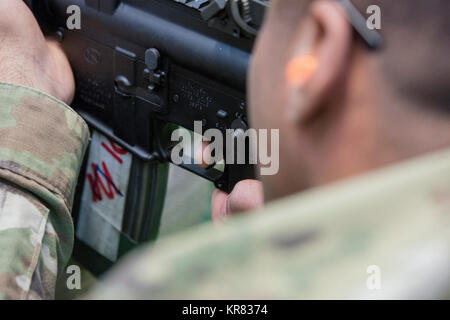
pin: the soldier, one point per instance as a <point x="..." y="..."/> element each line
<point x="359" y="208"/>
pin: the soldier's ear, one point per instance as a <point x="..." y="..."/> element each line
<point x="319" y="58"/>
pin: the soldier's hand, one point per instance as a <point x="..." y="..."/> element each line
<point x="247" y="195"/>
<point x="27" y="58"/>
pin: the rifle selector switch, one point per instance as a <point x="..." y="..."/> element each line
<point x="152" y="57"/>
<point x="151" y="73"/>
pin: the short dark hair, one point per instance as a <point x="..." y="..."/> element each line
<point x="416" y="50"/>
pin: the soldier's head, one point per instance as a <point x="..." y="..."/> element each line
<point x="343" y="109"/>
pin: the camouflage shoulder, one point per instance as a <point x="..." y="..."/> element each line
<point x="363" y="238"/>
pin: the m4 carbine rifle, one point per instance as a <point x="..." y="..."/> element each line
<point x="142" y="64"/>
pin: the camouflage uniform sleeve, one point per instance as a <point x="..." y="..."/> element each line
<point x="42" y="144"/>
